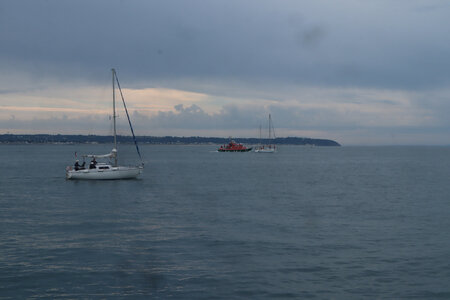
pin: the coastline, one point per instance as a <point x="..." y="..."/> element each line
<point x="166" y="140"/>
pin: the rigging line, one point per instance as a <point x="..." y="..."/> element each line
<point x="129" y="121"/>
<point x="273" y="129"/>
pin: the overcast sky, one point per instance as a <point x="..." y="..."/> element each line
<point x="358" y="72"/>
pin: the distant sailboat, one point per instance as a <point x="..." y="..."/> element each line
<point x="268" y="148"/>
<point x="97" y="170"/>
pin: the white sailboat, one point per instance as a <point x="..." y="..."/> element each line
<point x="268" y="148"/>
<point x="100" y="170"/>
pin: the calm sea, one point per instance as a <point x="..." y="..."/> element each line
<point x="306" y="222"/>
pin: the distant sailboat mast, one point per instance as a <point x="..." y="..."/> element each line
<point x="260" y="135"/>
<point x="271" y="128"/>
<point x="270" y="122"/>
<point x="114" y="115"/>
<point x="270" y="146"/>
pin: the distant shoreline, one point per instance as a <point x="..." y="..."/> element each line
<point x="155" y="140"/>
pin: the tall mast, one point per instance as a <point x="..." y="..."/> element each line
<point x="114" y="115"/>
<point x="270" y="125"/>
<point x="260" y="134"/>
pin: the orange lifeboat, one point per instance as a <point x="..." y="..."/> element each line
<point x="232" y="146"/>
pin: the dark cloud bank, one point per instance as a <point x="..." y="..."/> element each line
<point x="387" y="44"/>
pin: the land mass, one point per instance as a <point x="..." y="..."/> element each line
<point x="166" y="140"/>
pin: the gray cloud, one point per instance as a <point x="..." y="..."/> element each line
<point x="312" y="36"/>
<point x="194" y="117"/>
<point x="320" y="42"/>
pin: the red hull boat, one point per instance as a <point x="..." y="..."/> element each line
<point x="234" y="147"/>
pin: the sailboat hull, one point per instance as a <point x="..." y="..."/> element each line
<point x="271" y="150"/>
<point x="110" y="174"/>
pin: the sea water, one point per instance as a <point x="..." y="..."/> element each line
<point x="306" y="222"/>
